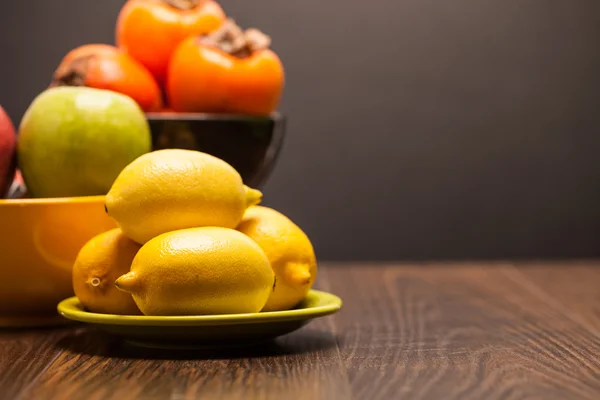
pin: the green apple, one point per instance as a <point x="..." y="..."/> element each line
<point x="74" y="141"/>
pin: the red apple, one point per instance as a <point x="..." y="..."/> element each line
<point x="7" y="152"/>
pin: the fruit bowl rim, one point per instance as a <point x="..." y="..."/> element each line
<point x="52" y="200"/>
<point x="192" y="116"/>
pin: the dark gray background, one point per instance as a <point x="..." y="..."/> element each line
<point x="417" y="128"/>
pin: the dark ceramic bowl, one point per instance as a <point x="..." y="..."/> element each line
<point x="250" y="144"/>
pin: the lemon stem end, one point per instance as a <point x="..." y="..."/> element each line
<point x="127" y="283"/>
<point x="297" y="274"/>
<point x="253" y="196"/>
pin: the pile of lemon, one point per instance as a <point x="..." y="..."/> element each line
<point x="191" y="240"/>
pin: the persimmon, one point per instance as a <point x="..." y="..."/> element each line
<point x="103" y="66"/>
<point x="150" y="30"/>
<point x="227" y="71"/>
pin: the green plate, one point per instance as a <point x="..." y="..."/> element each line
<point x="205" y="330"/>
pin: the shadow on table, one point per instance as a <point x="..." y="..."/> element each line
<point x="96" y="343"/>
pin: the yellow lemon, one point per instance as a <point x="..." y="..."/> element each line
<point x="209" y="270"/>
<point x="174" y="189"/>
<point x="289" y="251"/>
<point x="99" y="263"/>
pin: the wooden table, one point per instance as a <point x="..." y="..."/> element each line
<point x="430" y="331"/>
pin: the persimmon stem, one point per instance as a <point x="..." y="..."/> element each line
<point x="231" y="39"/>
<point x="184" y="4"/>
<point x="73" y="74"/>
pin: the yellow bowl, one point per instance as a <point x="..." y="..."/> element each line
<point x="39" y="241"/>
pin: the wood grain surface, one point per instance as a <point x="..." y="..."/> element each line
<point x="427" y="331"/>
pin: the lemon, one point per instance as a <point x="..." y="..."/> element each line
<point x="209" y="270"/>
<point x="174" y="189"/>
<point x="289" y="251"/>
<point x="99" y="263"/>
